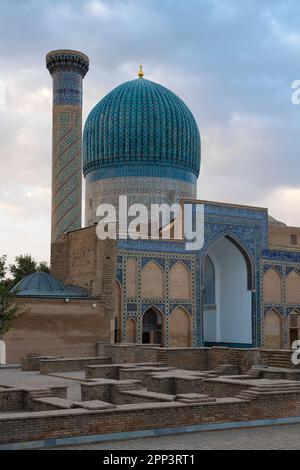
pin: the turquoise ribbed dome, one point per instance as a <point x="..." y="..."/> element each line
<point x="41" y="284"/>
<point x="138" y="124"/>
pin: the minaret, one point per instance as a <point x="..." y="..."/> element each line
<point x="67" y="69"/>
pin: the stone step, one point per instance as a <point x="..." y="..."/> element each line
<point x="274" y="390"/>
<point x="278" y="359"/>
<point x="253" y="393"/>
<point x="244" y="396"/>
<point x="282" y="361"/>
<point x="254" y="373"/>
<point x="278" y="389"/>
<point x="128" y="385"/>
<point x="281" y="365"/>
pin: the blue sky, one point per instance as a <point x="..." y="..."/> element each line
<point x="232" y="62"/>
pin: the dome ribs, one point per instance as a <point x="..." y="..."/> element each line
<point x="141" y="123"/>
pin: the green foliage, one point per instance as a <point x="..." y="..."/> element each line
<point x="4" y="281"/>
<point x="3" y="267"/>
<point x="43" y="266"/>
<point x="9" y="309"/>
<point x="24" y="265"/>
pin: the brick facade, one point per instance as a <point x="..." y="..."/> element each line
<point x="58" y="328"/>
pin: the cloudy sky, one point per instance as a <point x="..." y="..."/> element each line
<point x="232" y="62"/>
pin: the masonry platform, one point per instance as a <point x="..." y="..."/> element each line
<point x="131" y="391"/>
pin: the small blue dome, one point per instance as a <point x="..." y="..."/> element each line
<point x="141" y="123"/>
<point x="40" y="284"/>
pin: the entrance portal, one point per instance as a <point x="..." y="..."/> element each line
<point x="227" y="295"/>
<point x="152" y="327"/>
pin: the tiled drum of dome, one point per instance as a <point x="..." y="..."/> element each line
<point x="142" y="141"/>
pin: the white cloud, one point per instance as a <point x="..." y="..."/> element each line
<point x="2" y="95"/>
<point x="105" y="10"/>
<point x="99" y="8"/>
<point x="283" y="34"/>
<point x="284" y="204"/>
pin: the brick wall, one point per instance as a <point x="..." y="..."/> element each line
<point x="54" y="327"/>
<point x="31" y="362"/>
<point x="196" y="358"/>
<point x="11" y="399"/>
<point x="223" y="388"/>
<point x="189" y="358"/>
<point x="17" y="399"/>
<point x="48" y="366"/>
<point x="31" y="394"/>
<point x="209" y="358"/>
<point x="244" y="358"/>
<point x="95" y="391"/>
<point x="120" y="353"/>
<point x="76" y="422"/>
<point x="161" y="384"/>
<point x="280" y="237"/>
<point x="79" y="258"/>
<point x="104" y="371"/>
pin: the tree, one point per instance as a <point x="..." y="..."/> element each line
<point x="24" y="265"/>
<point x="43" y="266"/>
<point x="9" y="309"/>
<point x="3" y="267"/>
<point x="4" y="281"/>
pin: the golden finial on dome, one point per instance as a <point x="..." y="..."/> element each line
<point x="141" y="73"/>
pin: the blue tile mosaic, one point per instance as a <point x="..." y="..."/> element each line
<point x="141" y="123"/>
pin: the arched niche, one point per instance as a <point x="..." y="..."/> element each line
<point x="179" y="282"/>
<point x="153" y="326"/>
<point x="130" y="331"/>
<point x="273" y="334"/>
<point x="131" y="279"/>
<point x="293" y="288"/>
<point x="293" y="327"/>
<point x="152" y="281"/>
<point x="272" y="286"/>
<point x="180" y="328"/>
<point x="117" y="305"/>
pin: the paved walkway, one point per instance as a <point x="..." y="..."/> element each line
<point x="272" y="437"/>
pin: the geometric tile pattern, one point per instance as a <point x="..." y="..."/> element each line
<point x="246" y="227"/>
<point x="146" y="189"/>
<point x="135" y="308"/>
<point x="290" y="261"/>
<point x="141" y="122"/>
<point x="67" y="69"/>
<point x="66" y="170"/>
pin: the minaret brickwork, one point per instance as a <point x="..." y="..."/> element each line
<point x="67" y="68"/>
